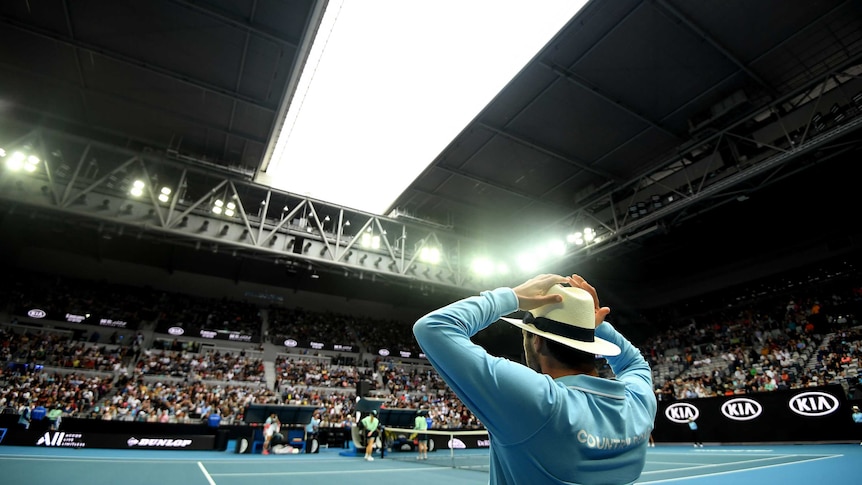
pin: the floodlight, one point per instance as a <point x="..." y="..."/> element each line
<point x="137" y="189"/>
<point x="556" y="247"/>
<point x="482" y="266"/>
<point x="16" y="161"/>
<point x="369" y="240"/>
<point x="30" y="163"/>
<point x="527" y="262"/>
<point x="430" y="255"/>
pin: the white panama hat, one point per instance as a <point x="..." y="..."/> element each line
<point x="571" y="322"/>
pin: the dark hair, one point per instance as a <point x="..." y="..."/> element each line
<point x="571" y="357"/>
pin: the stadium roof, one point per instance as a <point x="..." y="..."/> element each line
<point x="706" y="143"/>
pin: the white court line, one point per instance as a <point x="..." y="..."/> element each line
<point x="710" y="450"/>
<point x="668" y="480"/>
<point x="707" y="453"/>
<point x="96" y="460"/>
<point x="713" y="465"/>
<point x="206" y="473"/>
<point x="654" y="462"/>
<point x="323" y="472"/>
<point x="249" y="459"/>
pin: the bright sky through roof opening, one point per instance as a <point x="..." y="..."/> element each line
<point x="389" y="83"/>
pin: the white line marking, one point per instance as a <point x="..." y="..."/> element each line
<point x="248" y="459"/>
<point x="206" y="473"/>
<point x="112" y="460"/>
<point x="667" y="480"/>
<point x="323" y="472"/>
<point x="701" y="453"/>
<point x="713" y="465"/>
<point x="654" y="462"/>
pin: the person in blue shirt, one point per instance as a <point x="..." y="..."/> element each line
<point x="553" y="420"/>
<point x="311" y="431"/>
<point x="857" y="416"/>
<point x="695" y="434"/>
<point x="25" y="415"/>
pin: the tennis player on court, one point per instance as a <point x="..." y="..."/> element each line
<point x="370" y="424"/>
<point x="420" y="424"/>
<point x="554" y="420"/>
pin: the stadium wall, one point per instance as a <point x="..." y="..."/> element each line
<point x="811" y="414"/>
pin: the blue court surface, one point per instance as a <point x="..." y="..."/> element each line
<point x="713" y="465"/>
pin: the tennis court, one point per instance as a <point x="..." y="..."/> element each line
<point x="711" y="465"/>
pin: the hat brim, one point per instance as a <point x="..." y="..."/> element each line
<point x="598" y="346"/>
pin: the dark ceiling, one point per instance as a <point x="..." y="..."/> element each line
<point x="634" y="101"/>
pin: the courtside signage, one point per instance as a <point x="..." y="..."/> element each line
<point x="681" y="412"/>
<point x="741" y="409"/>
<point x="813" y="404"/>
<point x="62" y="439"/>
<point x="158" y="443"/>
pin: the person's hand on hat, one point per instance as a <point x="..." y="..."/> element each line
<point x="533" y="293"/>
<point x="601" y="312"/>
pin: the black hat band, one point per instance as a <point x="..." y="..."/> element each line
<point x="561" y="329"/>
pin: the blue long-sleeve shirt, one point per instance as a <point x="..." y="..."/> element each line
<point x="576" y="429"/>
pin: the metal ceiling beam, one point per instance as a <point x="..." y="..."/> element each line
<point x="484" y="181"/>
<point x="774" y="162"/>
<point x="447" y="198"/>
<point x="807" y="27"/>
<point x="716" y="45"/>
<point x="577" y="81"/>
<point x="547" y="151"/>
<point x="78" y="68"/>
<point x="238" y="22"/>
<point x="691" y="144"/>
<point x="239" y="74"/>
<point x="755" y="60"/>
<point x="285" y="99"/>
<point x="193" y="220"/>
<point x="551" y="84"/>
<point x="746" y="174"/>
<point x="136" y="102"/>
<point x="116" y="56"/>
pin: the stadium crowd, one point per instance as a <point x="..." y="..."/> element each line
<point x="772" y="342"/>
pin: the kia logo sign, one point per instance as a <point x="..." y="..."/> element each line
<point x="813" y="404"/>
<point x="290" y="343"/>
<point x="176" y="331"/>
<point x="681" y="412"/>
<point x="383" y="352"/>
<point x="36" y="313"/>
<point x="741" y="409"/>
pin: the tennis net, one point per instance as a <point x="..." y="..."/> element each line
<point x="466" y="449"/>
